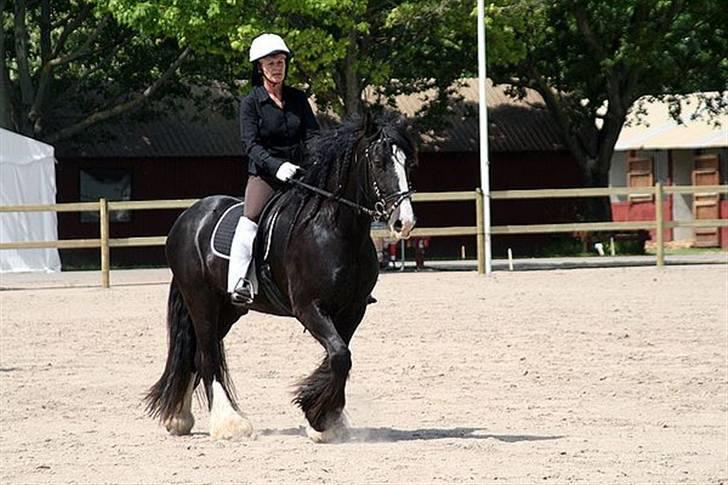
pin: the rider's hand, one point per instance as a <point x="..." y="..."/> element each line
<point x="286" y="171"/>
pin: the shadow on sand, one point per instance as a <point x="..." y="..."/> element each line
<point x="382" y="435"/>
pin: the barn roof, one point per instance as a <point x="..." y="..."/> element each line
<point x="514" y="125"/>
<point x="650" y="126"/>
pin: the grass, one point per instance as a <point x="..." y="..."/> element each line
<point x="686" y="251"/>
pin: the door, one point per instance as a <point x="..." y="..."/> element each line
<point x="706" y="205"/>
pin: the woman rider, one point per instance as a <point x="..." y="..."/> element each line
<point x="275" y="121"/>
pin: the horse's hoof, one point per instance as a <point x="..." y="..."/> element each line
<point x="180" y="425"/>
<point x="233" y="427"/>
<point x="336" y="432"/>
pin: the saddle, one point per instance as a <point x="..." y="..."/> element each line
<point x="221" y="241"/>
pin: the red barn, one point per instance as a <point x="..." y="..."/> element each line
<point x="174" y="157"/>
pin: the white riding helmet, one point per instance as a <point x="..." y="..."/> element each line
<point x="267" y="44"/>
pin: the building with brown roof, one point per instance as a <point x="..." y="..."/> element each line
<point x="654" y="147"/>
<point x="178" y="157"/>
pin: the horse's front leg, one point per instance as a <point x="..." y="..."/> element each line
<point x="321" y="395"/>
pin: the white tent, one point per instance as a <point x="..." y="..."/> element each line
<point x="27" y="176"/>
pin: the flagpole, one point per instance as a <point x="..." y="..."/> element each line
<point x="483" y="124"/>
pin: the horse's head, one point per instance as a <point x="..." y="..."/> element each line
<point x="391" y="154"/>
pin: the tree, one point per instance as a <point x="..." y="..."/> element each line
<point x="341" y="47"/>
<point x="68" y="65"/>
<point x="71" y="64"/>
<point x="591" y="60"/>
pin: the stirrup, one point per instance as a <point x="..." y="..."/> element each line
<point x="243" y="293"/>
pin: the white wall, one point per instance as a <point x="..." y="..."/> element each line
<point x="682" y="208"/>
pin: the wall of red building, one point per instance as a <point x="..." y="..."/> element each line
<point x="724" y="230"/>
<point x="444" y="172"/>
<point x="643" y="211"/>
<point x="157" y="178"/>
<point x="161" y="178"/>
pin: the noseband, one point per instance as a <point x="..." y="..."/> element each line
<point x="380" y="211"/>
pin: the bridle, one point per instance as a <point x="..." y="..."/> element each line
<point x="382" y="209"/>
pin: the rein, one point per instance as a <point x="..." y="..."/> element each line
<point x="330" y="195"/>
<point x="379" y="212"/>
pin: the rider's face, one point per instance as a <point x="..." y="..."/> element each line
<point x="274" y="68"/>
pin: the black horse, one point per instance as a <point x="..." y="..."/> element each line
<point x="319" y="256"/>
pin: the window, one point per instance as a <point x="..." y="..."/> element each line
<point x="107" y="183"/>
<point x="639" y="174"/>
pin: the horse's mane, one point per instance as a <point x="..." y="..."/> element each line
<point x="333" y="149"/>
<point x="331" y="152"/>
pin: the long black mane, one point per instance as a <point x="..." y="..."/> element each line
<point x="332" y="151"/>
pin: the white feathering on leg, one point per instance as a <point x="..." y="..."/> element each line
<point x="225" y="422"/>
<point x="337" y="431"/>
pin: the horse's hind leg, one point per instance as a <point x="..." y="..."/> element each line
<point x="226" y="421"/>
<point x="170" y="398"/>
<point x="321" y="396"/>
<point x="181" y="423"/>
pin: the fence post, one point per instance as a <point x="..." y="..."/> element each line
<point x="480" y="231"/>
<point x="660" y="225"/>
<point x="104" y="228"/>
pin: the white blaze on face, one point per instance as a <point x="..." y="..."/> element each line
<point x="404" y="212"/>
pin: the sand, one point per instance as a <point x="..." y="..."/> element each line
<point x="614" y="376"/>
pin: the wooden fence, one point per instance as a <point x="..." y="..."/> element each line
<point x="104" y="207"/>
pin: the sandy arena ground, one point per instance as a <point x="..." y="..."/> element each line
<point x="571" y="376"/>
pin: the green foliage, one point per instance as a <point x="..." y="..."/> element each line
<point x="561" y="246"/>
<point x="103" y="54"/>
<point x="80" y="66"/>
<point x="394" y="47"/>
<point x="591" y="60"/>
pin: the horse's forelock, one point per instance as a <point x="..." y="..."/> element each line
<point x="395" y="128"/>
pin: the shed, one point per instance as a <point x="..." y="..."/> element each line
<point x="654" y="147"/>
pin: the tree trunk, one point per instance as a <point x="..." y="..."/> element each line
<point x="25" y="81"/>
<point x="595" y="173"/>
<point x="6" y="107"/>
<point x="352" y="83"/>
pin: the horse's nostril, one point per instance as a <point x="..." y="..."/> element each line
<point x="397" y="226"/>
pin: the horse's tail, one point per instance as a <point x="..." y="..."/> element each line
<point x="165" y="398"/>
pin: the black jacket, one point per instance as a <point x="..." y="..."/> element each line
<point x="271" y="135"/>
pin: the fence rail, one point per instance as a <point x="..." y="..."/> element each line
<point x="104" y="207"/>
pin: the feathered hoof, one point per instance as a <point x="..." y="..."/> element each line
<point x="233" y="427"/>
<point x="336" y="432"/>
<point x="180" y="425"/>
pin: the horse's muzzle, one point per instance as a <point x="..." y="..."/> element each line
<point x="403" y="220"/>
